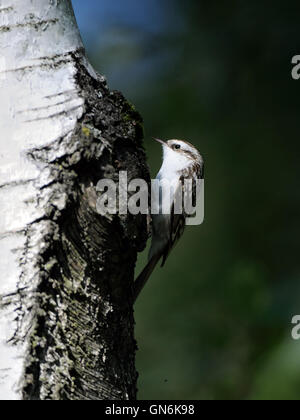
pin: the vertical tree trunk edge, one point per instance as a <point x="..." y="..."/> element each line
<point x="73" y="306"/>
<point x="83" y="346"/>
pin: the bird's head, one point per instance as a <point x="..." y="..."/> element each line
<point x="180" y="153"/>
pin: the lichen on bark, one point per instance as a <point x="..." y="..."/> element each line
<point x="82" y="342"/>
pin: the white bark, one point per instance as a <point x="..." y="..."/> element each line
<point x="40" y="105"/>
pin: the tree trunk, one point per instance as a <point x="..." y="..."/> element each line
<point x="66" y="318"/>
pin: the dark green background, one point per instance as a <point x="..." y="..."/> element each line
<point x="215" y="323"/>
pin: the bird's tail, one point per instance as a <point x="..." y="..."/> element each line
<point x="144" y="276"/>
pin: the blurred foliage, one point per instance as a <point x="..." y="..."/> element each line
<point x="215" y="322"/>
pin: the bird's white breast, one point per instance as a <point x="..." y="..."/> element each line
<point x="173" y="162"/>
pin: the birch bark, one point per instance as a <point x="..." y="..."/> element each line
<point x="66" y="321"/>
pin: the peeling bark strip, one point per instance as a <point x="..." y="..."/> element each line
<point x="65" y="309"/>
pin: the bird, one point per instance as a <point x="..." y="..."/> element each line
<point x="181" y="161"/>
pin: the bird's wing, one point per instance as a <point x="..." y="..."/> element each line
<point x="177" y="224"/>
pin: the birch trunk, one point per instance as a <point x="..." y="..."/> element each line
<point x="66" y="321"/>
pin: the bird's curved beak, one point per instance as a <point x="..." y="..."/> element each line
<point x="160" y="141"/>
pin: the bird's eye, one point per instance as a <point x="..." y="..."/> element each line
<point x="177" y="146"/>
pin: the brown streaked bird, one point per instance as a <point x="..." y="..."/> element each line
<point x="181" y="160"/>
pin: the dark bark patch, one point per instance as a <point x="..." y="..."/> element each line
<point x="82" y="344"/>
